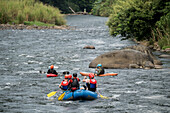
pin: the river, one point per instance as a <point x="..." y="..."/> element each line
<point x="23" y="53"/>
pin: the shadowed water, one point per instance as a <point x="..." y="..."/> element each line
<point x="23" y="53"/>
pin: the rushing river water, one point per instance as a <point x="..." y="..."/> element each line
<point x="23" y="53"/>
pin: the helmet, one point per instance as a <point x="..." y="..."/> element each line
<point x="91" y="75"/>
<point x="74" y="74"/>
<point x="52" y="66"/>
<point x="69" y="76"/>
<point x="99" y="65"/>
<point x="66" y="76"/>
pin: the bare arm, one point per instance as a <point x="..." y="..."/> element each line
<point x="60" y="86"/>
<point x="85" y="78"/>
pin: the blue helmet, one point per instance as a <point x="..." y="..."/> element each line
<point x="99" y="65"/>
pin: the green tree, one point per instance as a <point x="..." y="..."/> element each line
<point x="102" y="7"/>
<point x="76" y="5"/>
<point x="136" y="18"/>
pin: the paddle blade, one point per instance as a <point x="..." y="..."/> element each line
<point x="51" y="94"/>
<point x="104" y="97"/>
<point x="61" y="96"/>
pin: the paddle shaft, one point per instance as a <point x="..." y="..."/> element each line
<point x="102" y="96"/>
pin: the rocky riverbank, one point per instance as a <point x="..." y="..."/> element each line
<point x="154" y="47"/>
<point x="30" y="27"/>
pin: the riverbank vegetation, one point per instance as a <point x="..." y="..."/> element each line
<point x="102" y="7"/>
<point x="138" y="19"/>
<point x="76" y="5"/>
<point x="38" y="23"/>
<point x="19" y="11"/>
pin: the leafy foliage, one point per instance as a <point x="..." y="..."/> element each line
<point x="136" y="18"/>
<point x="162" y="31"/>
<point x="76" y="5"/>
<point x="102" y="7"/>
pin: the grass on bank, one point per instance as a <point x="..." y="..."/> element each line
<point x="161" y="33"/>
<point x="18" y="11"/>
<point x="37" y="23"/>
<point x="165" y="47"/>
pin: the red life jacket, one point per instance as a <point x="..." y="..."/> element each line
<point x="93" y="83"/>
<point x="69" y="76"/>
<point x="64" y="85"/>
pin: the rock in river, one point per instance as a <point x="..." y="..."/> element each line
<point x="88" y="47"/>
<point x="130" y="57"/>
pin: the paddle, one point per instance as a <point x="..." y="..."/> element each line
<point x="104" y="97"/>
<point x="42" y="71"/>
<point x="65" y="72"/>
<point x="61" y="96"/>
<point x="52" y="93"/>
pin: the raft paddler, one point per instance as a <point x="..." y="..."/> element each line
<point x="52" y="70"/>
<point x="99" y="70"/>
<point x="64" y="83"/>
<point x="74" y="83"/>
<point x="91" y="83"/>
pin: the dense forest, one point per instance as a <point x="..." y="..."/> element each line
<point x="139" y="19"/>
<point x="76" y="5"/>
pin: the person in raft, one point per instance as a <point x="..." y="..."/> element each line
<point x="64" y="83"/>
<point x="99" y="70"/>
<point x="74" y="83"/>
<point x="52" y="70"/>
<point x="91" y="83"/>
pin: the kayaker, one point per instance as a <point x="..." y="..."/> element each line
<point x="91" y="83"/>
<point x="99" y="70"/>
<point x="64" y="83"/>
<point x="74" y="83"/>
<point x="52" y="70"/>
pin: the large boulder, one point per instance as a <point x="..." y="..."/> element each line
<point x="131" y="57"/>
<point x="148" y="52"/>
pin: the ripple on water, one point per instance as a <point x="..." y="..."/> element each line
<point x="158" y="97"/>
<point x="140" y="82"/>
